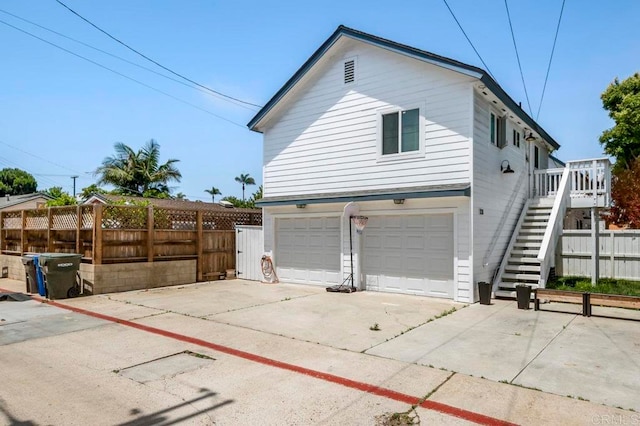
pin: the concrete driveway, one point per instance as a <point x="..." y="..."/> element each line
<point x="289" y="354"/>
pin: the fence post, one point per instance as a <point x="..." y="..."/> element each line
<point x="49" y="230"/>
<point x="199" y="246"/>
<point x="613" y="253"/>
<point x="78" y="229"/>
<point x="23" y="236"/>
<point x="150" y="233"/>
<point x="97" y="234"/>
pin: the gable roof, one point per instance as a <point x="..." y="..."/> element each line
<point x="422" y="55"/>
<point x="11" y="200"/>
<point x="167" y="203"/>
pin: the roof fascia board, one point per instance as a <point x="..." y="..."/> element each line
<point x="513" y="106"/>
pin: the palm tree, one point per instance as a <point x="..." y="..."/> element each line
<point x="245" y="180"/>
<point x="213" y="191"/>
<point x="138" y="173"/>
<point x="180" y="196"/>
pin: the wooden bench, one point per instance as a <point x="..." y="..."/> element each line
<point x="588" y="300"/>
<point x="559" y="296"/>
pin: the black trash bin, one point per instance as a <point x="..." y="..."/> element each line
<point x="523" y="296"/>
<point x="29" y="262"/>
<point x="60" y="270"/>
<point x="484" y="291"/>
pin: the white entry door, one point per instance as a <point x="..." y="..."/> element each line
<point x="308" y="250"/>
<point x="410" y="254"/>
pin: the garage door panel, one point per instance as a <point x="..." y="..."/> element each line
<point x="308" y="250"/>
<point x="410" y="254"/>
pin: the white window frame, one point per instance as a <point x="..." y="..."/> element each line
<point x="419" y="153"/>
<point x="515" y="142"/>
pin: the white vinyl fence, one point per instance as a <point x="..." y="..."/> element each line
<point x="249" y="251"/>
<point x="619" y="254"/>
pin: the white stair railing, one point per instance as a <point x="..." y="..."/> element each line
<point x="554" y="226"/>
<point x="591" y="181"/>
<point x="546" y="182"/>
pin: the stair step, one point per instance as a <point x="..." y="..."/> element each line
<point x="526" y="278"/>
<point x="522" y="268"/>
<point x="519" y="245"/>
<point x="529" y="260"/>
<point x="535" y="237"/>
<point x="512" y="285"/>
<point x="524" y="253"/>
<point x="530" y="231"/>
<point x="530" y="223"/>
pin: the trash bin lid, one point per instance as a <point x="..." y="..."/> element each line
<point x="50" y="257"/>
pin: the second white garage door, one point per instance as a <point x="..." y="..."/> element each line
<point x="308" y="250"/>
<point x="410" y="254"/>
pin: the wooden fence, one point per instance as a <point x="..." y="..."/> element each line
<point x="619" y="254"/>
<point x="128" y="234"/>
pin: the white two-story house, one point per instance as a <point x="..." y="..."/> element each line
<point x="438" y="157"/>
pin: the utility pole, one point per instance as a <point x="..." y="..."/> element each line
<point x="74" y="185"/>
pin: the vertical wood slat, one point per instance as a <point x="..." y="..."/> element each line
<point x="49" y="231"/>
<point x="97" y="234"/>
<point x="199" y="247"/>
<point x="78" y="229"/>
<point x="23" y="239"/>
<point x="150" y="233"/>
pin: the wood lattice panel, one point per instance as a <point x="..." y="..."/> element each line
<point x="174" y="219"/>
<point x="64" y="218"/>
<point x="87" y="217"/>
<point x="37" y="219"/>
<point x="12" y="220"/>
<point x="124" y="217"/>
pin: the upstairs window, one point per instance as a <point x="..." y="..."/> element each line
<point x="497" y="130"/>
<point x="536" y="157"/>
<point x="516" y="138"/>
<point x="401" y="131"/>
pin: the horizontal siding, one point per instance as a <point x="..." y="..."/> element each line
<point x="326" y="140"/>
<point x="500" y="196"/>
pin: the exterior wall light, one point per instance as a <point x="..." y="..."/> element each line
<point x="398" y="201"/>
<point x="507" y="168"/>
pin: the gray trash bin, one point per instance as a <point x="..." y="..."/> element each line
<point x="28" y="260"/>
<point x="60" y="270"/>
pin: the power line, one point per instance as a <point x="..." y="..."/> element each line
<point x="550" y="59"/>
<point x="151" y="60"/>
<point x="38" y="157"/>
<point x="13" y="164"/>
<point x="515" y="46"/>
<point x="123" y="75"/>
<point x="486" y="67"/>
<point x="128" y="61"/>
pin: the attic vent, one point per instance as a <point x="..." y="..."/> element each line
<point x="349" y="71"/>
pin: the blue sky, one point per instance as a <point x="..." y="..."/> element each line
<point x="60" y="115"/>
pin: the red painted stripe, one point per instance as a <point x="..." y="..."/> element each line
<point x="353" y="384"/>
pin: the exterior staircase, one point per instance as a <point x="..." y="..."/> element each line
<point x="522" y="266"/>
<point x="530" y="254"/>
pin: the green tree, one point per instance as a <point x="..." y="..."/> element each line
<point x="16" y="182"/>
<point x="622" y="141"/>
<point x="245" y="180"/>
<point x="139" y="172"/>
<point x="237" y="202"/>
<point x="258" y="194"/>
<point x="60" y="197"/>
<point x="90" y="190"/>
<point x="213" y="192"/>
<point x="180" y="196"/>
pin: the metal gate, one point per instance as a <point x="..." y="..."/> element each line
<point x="249" y="251"/>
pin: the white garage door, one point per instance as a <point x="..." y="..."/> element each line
<point x="308" y="250"/>
<point x="410" y="254"/>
